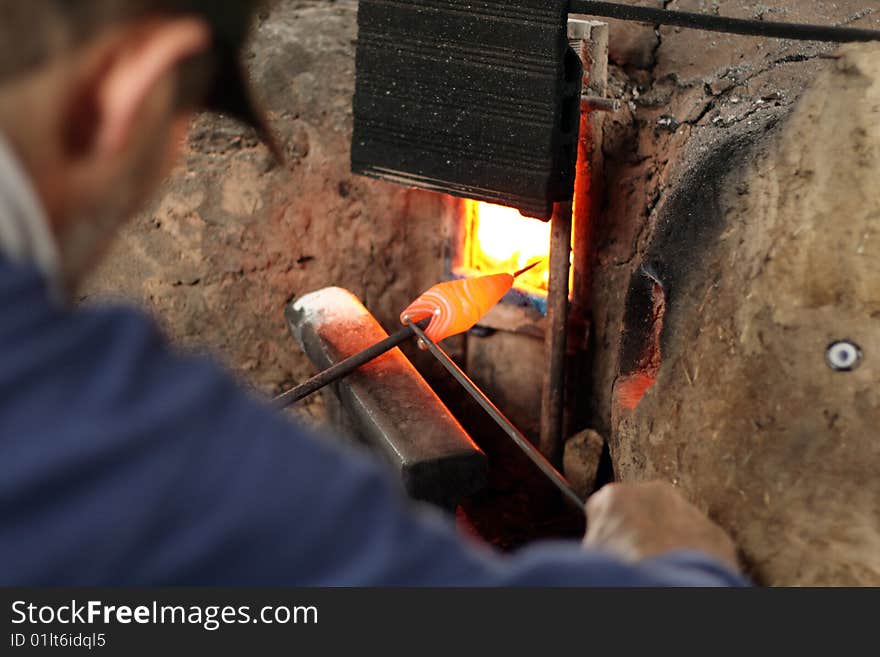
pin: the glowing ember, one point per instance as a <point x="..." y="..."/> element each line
<point x="456" y="306"/>
<point x="632" y="388"/>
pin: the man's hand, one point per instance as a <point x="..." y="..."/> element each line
<point x="642" y="520"/>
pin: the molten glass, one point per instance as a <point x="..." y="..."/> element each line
<point x="456" y="306"/>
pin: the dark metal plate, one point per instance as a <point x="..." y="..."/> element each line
<point x="475" y="98"/>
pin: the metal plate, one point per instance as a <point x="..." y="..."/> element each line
<point x="479" y="99"/>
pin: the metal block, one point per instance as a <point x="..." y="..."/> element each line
<point x="474" y="98"/>
<point x="389" y="404"/>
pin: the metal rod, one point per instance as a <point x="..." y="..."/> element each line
<point x="600" y="104"/>
<point x="590" y="40"/>
<point x="521" y="441"/>
<point x="713" y="23"/>
<point x="591" y="44"/>
<point x="528" y="268"/>
<point x="553" y="394"/>
<point x="344" y="367"/>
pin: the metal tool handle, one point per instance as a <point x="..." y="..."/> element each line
<point x="521" y="441"/>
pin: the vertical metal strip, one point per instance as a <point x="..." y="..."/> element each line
<point x="590" y="40"/>
<point x="553" y="397"/>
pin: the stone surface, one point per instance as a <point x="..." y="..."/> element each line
<point x="580" y="461"/>
<point x="746" y="416"/>
<point x="710" y="85"/>
<point x="697" y="94"/>
<point x="509" y="367"/>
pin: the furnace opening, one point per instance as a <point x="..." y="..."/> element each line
<point x="498" y="239"/>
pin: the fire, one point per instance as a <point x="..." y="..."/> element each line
<point x="500" y="239"/>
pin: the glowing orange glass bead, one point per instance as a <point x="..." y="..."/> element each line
<point x="456" y="306"/>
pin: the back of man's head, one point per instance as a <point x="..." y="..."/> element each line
<point x="33" y="32"/>
<point x="95" y="95"/>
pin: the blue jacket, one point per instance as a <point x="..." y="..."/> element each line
<point x="125" y="463"/>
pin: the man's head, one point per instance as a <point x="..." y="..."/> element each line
<point x="95" y="96"/>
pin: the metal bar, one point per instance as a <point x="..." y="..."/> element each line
<point x="553" y="395"/>
<point x="343" y="368"/>
<point x="590" y="40"/>
<point x="528" y="268"/>
<point x="713" y="23"/>
<point x="521" y="441"/>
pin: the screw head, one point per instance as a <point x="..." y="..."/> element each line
<point x="843" y="356"/>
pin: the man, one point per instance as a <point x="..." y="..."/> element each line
<point x="123" y="462"/>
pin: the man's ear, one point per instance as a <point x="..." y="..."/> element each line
<point x="137" y="70"/>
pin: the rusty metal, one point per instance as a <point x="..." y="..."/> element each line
<point x="527" y="268"/>
<point x="590" y="40"/>
<point x="567" y="332"/>
<point x="599" y="104"/>
<point x="509" y="428"/>
<point x="553" y="394"/>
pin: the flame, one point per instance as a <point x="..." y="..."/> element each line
<point x="500" y="239"/>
